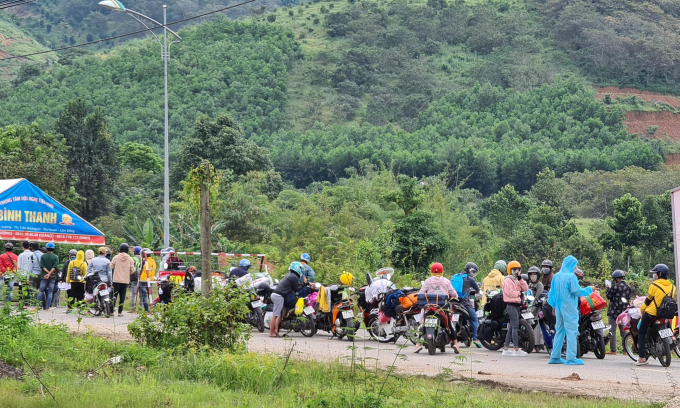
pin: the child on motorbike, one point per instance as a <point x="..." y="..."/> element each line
<point x="437" y="283"/>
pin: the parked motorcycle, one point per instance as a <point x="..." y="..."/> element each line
<point x="339" y="321"/>
<point x="303" y="323"/>
<point x="369" y="313"/>
<point x="101" y="295"/>
<point x="404" y="324"/>
<point x="460" y="319"/>
<point x="498" y="321"/>
<point x="255" y="307"/>
<point x="591" y="335"/>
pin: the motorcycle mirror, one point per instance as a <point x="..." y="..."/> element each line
<point x="624" y="300"/>
<point x="369" y="280"/>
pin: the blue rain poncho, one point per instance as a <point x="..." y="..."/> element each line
<point x="564" y="294"/>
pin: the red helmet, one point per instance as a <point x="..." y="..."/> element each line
<point x="437" y="268"/>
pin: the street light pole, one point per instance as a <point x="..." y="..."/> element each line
<point x="166" y="189"/>
<point x="165" y="56"/>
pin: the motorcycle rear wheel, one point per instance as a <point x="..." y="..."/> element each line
<point x="260" y="320"/>
<point x="496" y="342"/>
<point x="600" y="351"/>
<point x="431" y="349"/>
<point x="629" y="346"/>
<point x="665" y="357"/>
<point x="95" y="311"/>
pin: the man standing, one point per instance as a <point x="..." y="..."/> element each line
<point x="36" y="272"/>
<point x="8" y="267"/>
<point x="123" y="266"/>
<point x="49" y="265"/>
<point x="25" y="262"/>
<point x="616" y="294"/>
<point x="134" y="278"/>
<point x="563" y="297"/>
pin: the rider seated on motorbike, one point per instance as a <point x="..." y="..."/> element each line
<point x="286" y="289"/>
<point x="469" y="284"/>
<point x="660" y="288"/>
<point x="513" y="286"/>
<point x="307" y="270"/>
<point x="437" y="283"/>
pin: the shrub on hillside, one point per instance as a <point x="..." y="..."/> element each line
<point x="192" y="320"/>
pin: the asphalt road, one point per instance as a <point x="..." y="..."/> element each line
<point x="615" y="376"/>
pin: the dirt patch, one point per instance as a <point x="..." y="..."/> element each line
<point x="8" y="371"/>
<point x="572" y="377"/>
<point x="644" y="95"/>
<point x="654" y="125"/>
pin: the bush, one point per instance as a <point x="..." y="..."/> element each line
<point x="192" y="320"/>
<point x="271" y="18"/>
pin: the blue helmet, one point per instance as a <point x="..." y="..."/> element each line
<point x="295" y="267"/>
<point x="244" y="263"/>
<point x="305" y="257"/>
<point x="50" y="245"/>
<point x="138" y="250"/>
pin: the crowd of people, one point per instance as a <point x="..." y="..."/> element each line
<point x="42" y="275"/>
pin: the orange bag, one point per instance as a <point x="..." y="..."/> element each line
<point x="592" y="303"/>
<point x="409" y="300"/>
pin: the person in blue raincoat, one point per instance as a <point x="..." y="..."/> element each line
<point x="563" y="297"/>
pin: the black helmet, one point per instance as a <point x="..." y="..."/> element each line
<point x="124" y="247"/>
<point x="9" y="246"/>
<point x="547" y="263"/>
<point x="471" y="268"/>
<point x="579" y="273"/>
<point x="618" y="274"/>
<point x="661" y="270"/>
<point x="525" y="277"/>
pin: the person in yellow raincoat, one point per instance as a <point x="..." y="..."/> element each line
<point x="147" y="275"/>
<point x="494" y="281"/>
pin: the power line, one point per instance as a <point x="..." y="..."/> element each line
<point x="128" y="34"/>
<point x="14" y="3"/>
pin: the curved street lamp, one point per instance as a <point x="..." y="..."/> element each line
<point x="116" y="5"/>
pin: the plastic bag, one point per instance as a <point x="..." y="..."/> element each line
<point x="635" y="313"/>
<point x="299" y="306"/>
<point x="623" y="319"/>
<point x="383" y="318"/>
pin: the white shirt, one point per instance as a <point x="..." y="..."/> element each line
<point x="377" y="287"/>
<point x="25" y="262"/>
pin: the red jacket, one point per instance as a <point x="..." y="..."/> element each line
<point x="8" y="263"/>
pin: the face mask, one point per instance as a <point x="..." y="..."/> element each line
<point x="533" y="278"/>
<point x="73" y="258"/>
<point x="546" y="270"/>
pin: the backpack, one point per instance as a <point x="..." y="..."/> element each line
<point x="74" y="272"/>
<point x="391" y="302"/>
<point x="138" y="266"/>
<point x="457" y="283"/>
<point x="668" y="307"/>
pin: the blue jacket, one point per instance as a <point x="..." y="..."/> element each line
<point x="308" y="272"/>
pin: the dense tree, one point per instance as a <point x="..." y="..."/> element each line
<point x="506" y="209"/>
<point x="92" y="157"/>
<point x="40" y="157"/>
<point x="139" y="156"/>
<point x="629" y="226"/>
<point x="220" y="142"/>
<point x="418" y="241"/>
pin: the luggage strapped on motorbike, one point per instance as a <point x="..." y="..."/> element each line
<point x="391" y="301"/>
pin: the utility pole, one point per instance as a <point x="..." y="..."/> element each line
<point x="206" y="265"/>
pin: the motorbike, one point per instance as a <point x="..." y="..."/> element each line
<point x="102" y="296"/>
<point x="545" y="321"/>
<point x="404" y="324"/>
<point x="460" y="319"/>
<point x="591" y="335"/>
<point x="436" y="319"/>
<point x="303" y="323"/>
<point x="499" y="323"/>
<point x="658" y="341"/>
<point x="339" y="321"/>
<point x="255" y="306"/>
<point x="368" y="313"/>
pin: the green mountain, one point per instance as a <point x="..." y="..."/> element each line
<point x="331" y="85"/>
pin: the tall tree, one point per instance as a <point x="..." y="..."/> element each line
<point x="220" y="142"/>
<point x="38" y="156"/>
<point x="92" y="157"/>
<point x="506" y="209"/>
<point x="629" y="226"/>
